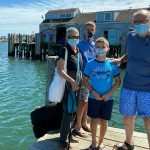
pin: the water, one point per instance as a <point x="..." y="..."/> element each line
<point x="22" y="88"/>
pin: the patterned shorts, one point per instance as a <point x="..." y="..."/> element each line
<point x="134" y="102"/>
<point x="84" y="93"/>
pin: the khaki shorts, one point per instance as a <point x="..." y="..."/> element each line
<point x="84" y="93"/>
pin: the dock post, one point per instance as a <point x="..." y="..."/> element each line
<point x="28" y="47"/>
<point x="9" y="44"/>
<point x="41" y="45"/>
<point x="20" y="45"/>
<point x="37" y="46"/>
<point x="50" y="70"/>
<point x="13" y="45"/>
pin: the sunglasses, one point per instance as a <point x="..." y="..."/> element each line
<point x="73" y="37"/>
<point x="136" y="22"/>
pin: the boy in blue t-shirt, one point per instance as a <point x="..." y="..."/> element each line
<point x="98" y="78"/>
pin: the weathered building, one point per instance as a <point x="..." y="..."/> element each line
<point x="114" y="25"/>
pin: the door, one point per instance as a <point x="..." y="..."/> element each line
<point x="112" y="36"/>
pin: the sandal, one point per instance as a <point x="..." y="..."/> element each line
<point x="87" y="129"/>
<point x="129" y="147"/>
<point x="93" y="148"/>
<point x="78" y="133"/>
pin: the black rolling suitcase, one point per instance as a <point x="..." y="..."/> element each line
<point x="46" y="118"/>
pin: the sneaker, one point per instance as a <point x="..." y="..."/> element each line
<point x="78" y="133"/>
<point x="63" y="145"/>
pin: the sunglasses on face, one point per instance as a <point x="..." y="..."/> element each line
<point x="145" y="21"/>
<point x="73" y="37"/>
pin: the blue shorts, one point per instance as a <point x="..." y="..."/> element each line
<point x="100" y="109"/>
<point x="134" y="102"/>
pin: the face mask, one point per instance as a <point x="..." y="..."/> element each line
<point x="141" y="28"/>
<point x="88" y="36"/>
<point x="73" y="42"/>
<point x="100" y="52"/>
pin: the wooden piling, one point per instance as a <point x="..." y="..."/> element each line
<point x="37" y="46"/>
<point x="50" y="70"/>
<point x="20" y="45"/>
<point x="9" y="45"/>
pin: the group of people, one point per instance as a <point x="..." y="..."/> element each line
<point x="91" y="94"/>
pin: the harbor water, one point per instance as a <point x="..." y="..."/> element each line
<point x="22" y="88"/>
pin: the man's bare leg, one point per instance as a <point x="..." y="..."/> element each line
<point x="147" y="126"/>
<point x="129" y="128"/>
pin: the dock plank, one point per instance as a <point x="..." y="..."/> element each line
<point x="113" y="136"/>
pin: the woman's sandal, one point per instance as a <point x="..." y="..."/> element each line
<point x="129" y="147"/>
<point x="87" y="129"/>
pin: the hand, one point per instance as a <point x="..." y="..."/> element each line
<point x="105" y="97"/>
<point x="74" y="86"/>
<point x="116" y="60"/>
<point x="96" y="95"/>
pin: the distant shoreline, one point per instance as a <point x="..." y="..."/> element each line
<point x="3" y="41"/>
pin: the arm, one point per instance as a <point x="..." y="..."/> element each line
<point x="89" y="87"/>
<point x="113" y="89"/>
<point x="120" y="60"/>
<point x="124" y="58"/>
<point x="60" y="67"/>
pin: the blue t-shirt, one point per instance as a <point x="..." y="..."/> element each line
<point x="137" y="76"/>
<point x="101" y="74"/>
<point x="87" y="51"/>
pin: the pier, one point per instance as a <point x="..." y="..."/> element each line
<point x="113" y="136"/>
<point x="25" y="46"/>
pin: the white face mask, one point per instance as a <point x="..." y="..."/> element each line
<point x="100" y="52"/>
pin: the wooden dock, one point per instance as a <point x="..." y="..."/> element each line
<point x="113" y="136"/>
<point x="25" y="46"/>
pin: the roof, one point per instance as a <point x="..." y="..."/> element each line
<point x="123" y="16"/>
<point x="126" y="15"/>
<point x="61" y="11"/>
<point x="84" y="17"/>
<point x="55" y="20"/>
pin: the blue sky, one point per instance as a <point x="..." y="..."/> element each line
<point x="24" y="16"/>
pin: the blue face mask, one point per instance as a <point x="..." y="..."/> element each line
<point x="141" y="28"/>
<point x="100" y="52"/>
<point x="73" y="42"/>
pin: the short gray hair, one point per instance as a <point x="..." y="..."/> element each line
<point x="72" y="29"/>
<point x="142" y="12"/>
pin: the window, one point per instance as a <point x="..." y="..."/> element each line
<point x="62" y="16"/>
<point x="68" y="15"/>
<point x="107" y="17"/>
